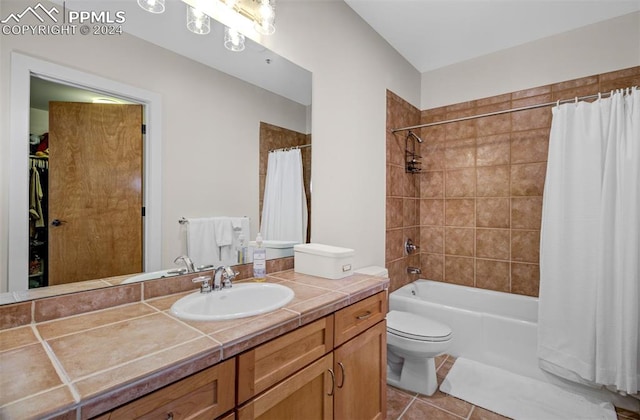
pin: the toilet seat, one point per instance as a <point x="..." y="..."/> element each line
<point x="416" y="327"/>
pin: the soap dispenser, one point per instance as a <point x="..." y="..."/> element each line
<point x="259" y="260"/>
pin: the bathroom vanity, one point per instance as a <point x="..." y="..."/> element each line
<point x="323" y="355"/>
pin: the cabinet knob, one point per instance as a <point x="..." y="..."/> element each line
<point x="57" y="222"/>
<point x="169" y="415"/>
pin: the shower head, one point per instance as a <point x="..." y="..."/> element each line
<point x="415" y="136"/>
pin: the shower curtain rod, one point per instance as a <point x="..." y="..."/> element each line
<point x="290" y="148"/>
<point x="504" y="111"/>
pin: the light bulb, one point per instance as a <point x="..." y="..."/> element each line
<point x="198" y="22"/>
<point x="153" y="6"/>
<point x="266" y="18"/>
<point x="233" y="40"/>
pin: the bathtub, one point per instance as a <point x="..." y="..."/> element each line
<point x="494" y="328"/>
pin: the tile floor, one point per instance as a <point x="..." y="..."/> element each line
<point x="407" y="405"/>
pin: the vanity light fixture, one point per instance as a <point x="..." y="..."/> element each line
<point x="198" y="22"/>
<point x="233" y="40"/>
<point x="242" y="18"/>
<point x="153" y="6"/>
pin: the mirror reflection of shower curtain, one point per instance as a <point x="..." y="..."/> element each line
<point x="284" y="208"/>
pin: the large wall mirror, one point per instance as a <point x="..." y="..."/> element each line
<point x="220" y="114"/>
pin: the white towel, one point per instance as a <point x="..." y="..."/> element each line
<point x="202" y="247"/>
<point x="215" y="240"/>
<point x="224" y="239"/>
<point x="223" y="231"/>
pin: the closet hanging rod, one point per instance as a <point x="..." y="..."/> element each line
<point x="504" y="111"/>
<point x="290" y="148"/>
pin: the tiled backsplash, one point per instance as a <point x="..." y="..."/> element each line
<point x="475" y="210"/>
<point x="40" y="308"/>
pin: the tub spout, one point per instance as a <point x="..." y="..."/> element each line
<point x="414" y="270"/>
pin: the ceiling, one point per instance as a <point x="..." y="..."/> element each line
<point x="431" y="34"/>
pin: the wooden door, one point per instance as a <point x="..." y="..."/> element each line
<point x="361" y="376"/>
<point x="305" y="395"/>
<point x="95" y="191"/>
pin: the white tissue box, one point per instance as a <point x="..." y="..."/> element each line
<point x="323" y="260"/>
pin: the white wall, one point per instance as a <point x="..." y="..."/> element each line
<point x="599" y="48"/>
<point x="352" y="68"/>
<point x="210" y="125"/>
<point x="38" y="121"/>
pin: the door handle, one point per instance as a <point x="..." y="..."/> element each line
<point x="57" y="222"/>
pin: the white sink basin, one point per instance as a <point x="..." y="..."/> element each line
<point x="242" y="300"/>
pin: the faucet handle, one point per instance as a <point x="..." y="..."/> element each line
<point x="227" y="276"/>
<point x="410" y="247"/>
<point x="205" y="287"/>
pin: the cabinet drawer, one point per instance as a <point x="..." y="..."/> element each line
<point x="356" y="318"/>
<point x="268" y="364"/>
<point x="204" y="395"/>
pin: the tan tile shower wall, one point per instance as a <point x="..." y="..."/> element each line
<point x="480" y="192"/>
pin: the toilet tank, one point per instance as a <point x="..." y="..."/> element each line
<point x="373" y="270"/>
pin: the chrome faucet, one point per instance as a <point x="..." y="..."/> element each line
<point x="414" y="270"/>
<point x="205" y="286"/>
<point x="222" y="277"/>
<point x="187" y="262"/>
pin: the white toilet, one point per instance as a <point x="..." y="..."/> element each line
<point x="413" y="342"/>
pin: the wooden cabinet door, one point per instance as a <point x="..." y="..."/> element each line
<point x="95" y="191"/>
<point x="306" y="395"/>
<point x="361" y="376"/>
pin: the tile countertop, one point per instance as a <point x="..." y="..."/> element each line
<point x="98" y="360"/>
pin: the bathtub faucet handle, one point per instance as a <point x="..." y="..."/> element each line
<point x="410" y="247"/>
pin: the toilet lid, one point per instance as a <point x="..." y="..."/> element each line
<point x="416" y="327"/>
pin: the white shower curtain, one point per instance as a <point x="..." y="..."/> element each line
<point x="284" y="208"/>
<point x="589" y="324"/>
